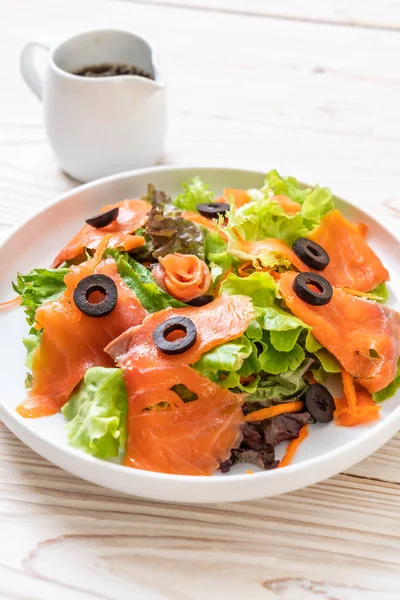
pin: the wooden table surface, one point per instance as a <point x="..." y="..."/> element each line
<point x="313" y="89"/>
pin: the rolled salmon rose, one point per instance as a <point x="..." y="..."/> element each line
<point x="184" y="276"/>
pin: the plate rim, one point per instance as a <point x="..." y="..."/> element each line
<point x="343" y="454"/>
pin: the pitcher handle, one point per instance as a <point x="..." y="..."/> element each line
<point x="28" y="67"/>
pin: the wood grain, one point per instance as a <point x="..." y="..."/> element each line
<point x="255" y="84"/>
<point x="376" y="14"/>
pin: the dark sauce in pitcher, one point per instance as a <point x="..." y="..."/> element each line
<point x="111" y="70"/>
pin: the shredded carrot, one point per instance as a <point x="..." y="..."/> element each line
<point x="292" y="447"/>
<point x="356" y="292"/>
<point x="366" y="410"/>
<point x="98" y="255"/>
<point x="10" y="303"/>
<point x="249" y="472"/>
<point x="243" y="267"/>
<point x="350" y="392"/>
<point x="224" y="276"/>
<point x="273" y="411"/>
<point x="310" y="378"/>
<point x="247" y="379"/>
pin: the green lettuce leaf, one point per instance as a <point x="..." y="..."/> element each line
<point x="316" y="205"/>
<point x="389" y="390"/>
<point x="138" y="278"/>
<point x="31" y="343"/>
<point x="264" y="218"/>
<point x="216" y="255"/>
<point x="96" y="413"/>
<point x="379" y="294"/>
<point x="273" y="361"/>
<point x="227" y="357"/>
<point x="195" y="192"/>
<point x="171" y="234"/>
<point x="274" y="389"/>
<point x="328" y="363"/>
<point x="260" y="286"/>
<point x="287" y="186"/>
<point x="145" y="252"/>
<point x="37" y="287"/>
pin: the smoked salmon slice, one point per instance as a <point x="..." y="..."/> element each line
<point x="72" y="342"/>
<point x="353" y="263"/>
<point x="270" y="249"/>
<point x="191" y="438"/>
<point x="207" y="223"/>
<point x="289" y="206"/>
<point x="224" y="319"/>
<point x="131" y="216"/>
<point x="364" y="336"/>
<point x="183" y="276"/>
<point x="240" y="197"/>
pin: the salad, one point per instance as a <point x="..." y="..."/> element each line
<point x="185" y="335"/>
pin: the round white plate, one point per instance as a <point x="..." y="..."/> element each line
<point x="328" y="449"/>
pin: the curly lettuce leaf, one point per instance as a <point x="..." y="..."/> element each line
<point x="379" y="294"/>
<point x="143" y="253"/>
<point x="283" y="387"/>
<point x="287" y="186"/>
<point x="274" y="361"/>
<point x="139" y="279"/>
<point x="316" y="202"/>
<point x="260" y="286"/>
<point x="389" y="390"/>
<point x="96" y="413"/>
<point x="227" y="357"/>
<point x="216" y="255"/>
<point x="263" y="218"/>
<point x="195" y="192"/>
<point x="31" y="343"/>
<point x="171" y="234"/>
<point x="37" y="287"/>
<point x="269" y="344"/>
<point x="327" y="362"/>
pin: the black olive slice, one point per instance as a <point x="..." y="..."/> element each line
<point x="103" y="219"/>
<point x="311" y="253"/>
<point x="201" y="300"/>
<point x="96" y="283"/>
<point x="179" y="345"/>
<point x="316" y="297"/>
<point x="320" y="403"/>
<point x="212" y="210"/>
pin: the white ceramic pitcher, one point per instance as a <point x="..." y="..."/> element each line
<point x="98" y="126"/>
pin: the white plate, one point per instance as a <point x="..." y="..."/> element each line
<point x="328" y="450"/>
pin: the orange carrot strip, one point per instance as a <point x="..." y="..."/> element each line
<point x="356" y="292"/>
<point x="310" y="378"/>
<point x="243" y="267"/>
<point x="273" y="411"/>
<point x="292" y="447"/>
<point x="10" y="303"/>
<point x="350" y="392"/>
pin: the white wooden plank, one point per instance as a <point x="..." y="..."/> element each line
<point x="340" y="537"/>
<point x="316" y="101"/>
<point x="384" y="14"/>
<point x="231" y="103"/>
